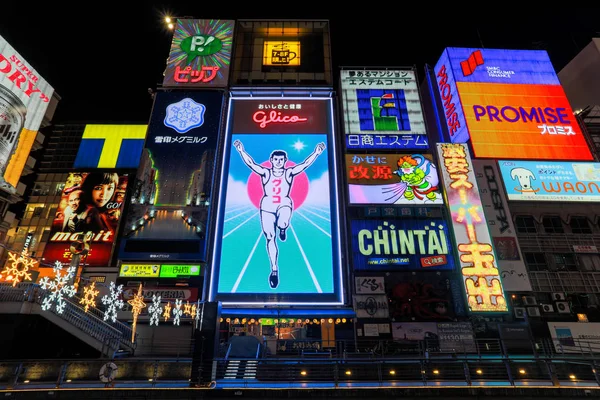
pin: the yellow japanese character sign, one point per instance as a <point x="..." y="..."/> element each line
<point x="478" y="263"/>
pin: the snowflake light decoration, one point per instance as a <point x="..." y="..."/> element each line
<point x="155" y="310"/>
<point x="137" y="305"/>
<point x="177" y="312"/>
<point x="17" y="268"/>
<point x="60" y="288"/>
<point x="197" y="313"/>
<point x="89" y="296"/>
<point x="113" y="301"/>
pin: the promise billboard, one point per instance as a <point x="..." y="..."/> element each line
<point x="24" y="98"/>
<point x="277" y="236"/>
<point x="509" y="104"/>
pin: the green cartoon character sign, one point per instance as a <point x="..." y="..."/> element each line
<point x="418" y="176"/>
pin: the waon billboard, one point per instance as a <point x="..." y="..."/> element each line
<point x="277" y="228"/>
<point x="509" y="104"/>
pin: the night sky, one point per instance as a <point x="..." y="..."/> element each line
<point x="101" y="60"/>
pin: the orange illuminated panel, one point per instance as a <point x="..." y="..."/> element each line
<point x="281" y="53"/>
<point x="521" y="122"/>
<point x="479" y="268"/>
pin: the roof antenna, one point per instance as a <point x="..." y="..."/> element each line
<point x="480" y="40"/>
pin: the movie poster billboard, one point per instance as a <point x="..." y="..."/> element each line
<point x="90" y="207"/>
<point x="277" y="237"/>
<point x="24" y="99"/>
<point x="167" y="216"/>
<point x="382" y="110"/>
<point x="392" y="179"/>
<point x="200" y="53"/>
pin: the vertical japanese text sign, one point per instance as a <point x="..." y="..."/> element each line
<point x="479" y="269"/>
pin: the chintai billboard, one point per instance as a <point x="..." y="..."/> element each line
<point x="277" y="235"/>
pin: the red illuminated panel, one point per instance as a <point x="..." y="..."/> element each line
<point x="522" y="122"/>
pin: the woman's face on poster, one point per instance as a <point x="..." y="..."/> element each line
<point x="101" y="194"/>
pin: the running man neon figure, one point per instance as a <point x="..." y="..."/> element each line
<point x="276" y="205"/>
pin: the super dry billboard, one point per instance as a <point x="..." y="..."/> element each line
<point x="24" y="99"/>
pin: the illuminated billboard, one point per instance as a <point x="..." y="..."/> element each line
<point x="382" y="110"/>
<point x="281" y="53"/>
<point x="111" y="146"/>
<point x="200" y="53"/>
<point x="90" y="206"/>
<point x="509" y="104"/>
<point x="277" y="235"/>
<point x="506" y="244"/>
<point x="401" y="244"/>
<point x="169" y="207"/>
<point x="24" y="98"/>
<point x="478" y="262"/>
<point x="392" y="179"/>
<point x="551" y="181"/>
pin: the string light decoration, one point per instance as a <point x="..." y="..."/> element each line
<point x="177" y="312"/>
<point x="137" y="305"/>
<point x="155" y="310"/>
<point x="167" y="312"/>
<point x="18" y="266"/>
<point x="113" y="301"/>
<point x="89" y="296"/>
<point x="60" y="287"/>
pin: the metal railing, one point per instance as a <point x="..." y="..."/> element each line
<point x="111" y="336"/>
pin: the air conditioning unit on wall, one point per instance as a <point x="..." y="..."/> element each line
<point x="533" y="311"/>
<point x="563" y="307"/>
<point x="520" y="312"/>
<point x="547" y="308"/>
<point x="558" y="296"/>
<point x="529" y="300"/>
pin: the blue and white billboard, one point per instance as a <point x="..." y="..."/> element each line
<point x="277" y="230"/>
<point x="551" y="181"/>
<point x="169" y="207"/>
<point x="529" y="67"/>
<point x="401" y="244"/>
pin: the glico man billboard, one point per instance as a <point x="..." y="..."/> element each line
<point x="382" y="110"/>
<point x="171" y="194"/>
<point x="24" y="98"/>
<point x="200" y="53"/>
<point x="90" y="207"/>
<point x="509" y="104"/>
<point x="277" y="236"/>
